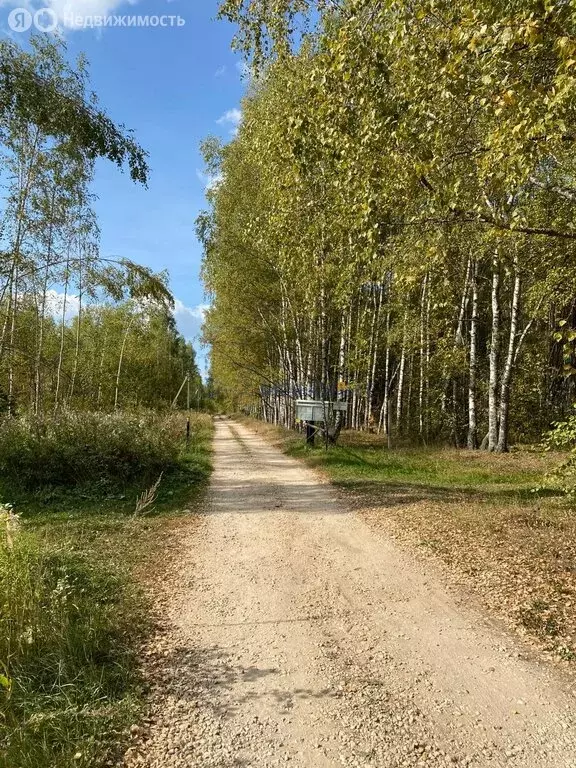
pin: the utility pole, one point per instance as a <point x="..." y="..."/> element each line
<point x="188" y="419"/>
<point x="175" y="401"/>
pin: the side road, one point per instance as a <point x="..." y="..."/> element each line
<point x="295" y="635"/>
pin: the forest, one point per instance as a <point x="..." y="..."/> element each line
<point x="78" y="330"/>
<point x="389" y="227"/>
<point x="393" y="224"/>
<point x="96" y="449"/>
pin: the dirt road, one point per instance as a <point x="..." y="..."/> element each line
<point x="298" y="636"/>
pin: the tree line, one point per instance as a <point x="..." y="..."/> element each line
<point x="394" y="223"/>
<point x="77" y="329"/>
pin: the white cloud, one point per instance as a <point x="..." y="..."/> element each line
<point x="207" y="181"/>
<point x="233" y="116"/>
<point x="189" y="319"/>
<point x="64" y="8"/>
<point x="221" y="71"/>
<point x="55" y="305"/>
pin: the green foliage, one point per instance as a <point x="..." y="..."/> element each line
<point x="71" y="617"/>
<point x="563" y="437"/>
<point x="394" y="222"/>
<point x="265" y="30"/>
<point x="125" y="355"/>
<point x="67" y="633"/>
<point x="38" y="87"/>
<point x="51" y="131"/>
<point x="81" y="337"/>
<point x="76" y="449"/>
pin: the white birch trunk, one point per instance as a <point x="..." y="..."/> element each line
<point x="505" y="383"/>
<point x="472" y="438"/>
<point x="493" y="359"/>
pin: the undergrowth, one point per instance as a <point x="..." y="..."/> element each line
<point x="74" y="449"/>
<point x="68" y="629"/>
<point x="71" y="614"/>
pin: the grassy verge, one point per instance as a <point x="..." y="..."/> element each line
<point x="477" y="513"/>
<point x="72" y="615"/>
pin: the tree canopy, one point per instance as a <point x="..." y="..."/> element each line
<point x="78" y="329"/>
<point x="40" y="87"/>
<point x="394" y="223"/>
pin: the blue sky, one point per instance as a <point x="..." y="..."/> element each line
<point x="173" y="86"/>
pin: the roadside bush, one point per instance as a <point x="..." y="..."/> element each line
<point x="71" y="622"/>
<point x="67" y="627"/>
<point x="563" y="437"/>
<point x="72" y="449"/>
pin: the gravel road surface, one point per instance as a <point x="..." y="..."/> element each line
<point x="296" y="635"/>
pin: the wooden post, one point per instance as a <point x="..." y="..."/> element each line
<point x="310" y="432"/>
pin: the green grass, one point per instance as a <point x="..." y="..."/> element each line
<point x="434" y="471"/>
<point x="72" y="614"/>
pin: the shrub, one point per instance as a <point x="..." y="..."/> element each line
<point x="563" y="437"/>
<point x="67" y="627"/>
<point x="70" y="622"/>
<point x="72" y="449"/>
